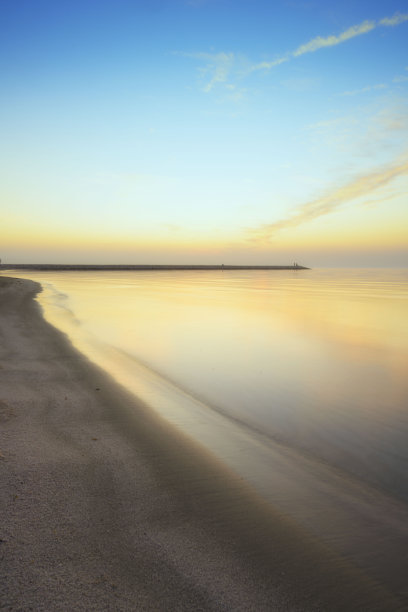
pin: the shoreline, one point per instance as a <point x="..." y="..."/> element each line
<point x="106" y="506"/>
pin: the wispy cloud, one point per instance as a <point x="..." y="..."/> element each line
<point x="355" y="92"/>
<point x="319" y="42"/>
<point x="217" y="68"/>
<point x="391" y="121"/>
<point x="356" y="30"/>
<point x="223" y="67"/>
<point x="402" y="78"/>
<point x="220" y="65"/>
<point x="334" y="200"/>
<point x="269" y="65"/>
<point x="393" y="21"/>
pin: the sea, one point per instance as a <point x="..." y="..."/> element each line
<point x="297" y="380"/>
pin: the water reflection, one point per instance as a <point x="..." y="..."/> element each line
<point x="297" y="381"/>
<point x="313" y="359"/>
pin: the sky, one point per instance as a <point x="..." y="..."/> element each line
<point x="204" y="131"/>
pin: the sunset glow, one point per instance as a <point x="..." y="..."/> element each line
<point x="204" y="131"/>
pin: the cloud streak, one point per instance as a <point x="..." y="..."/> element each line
<point x="356" y="30"/>
<point x="319" y="42"/>
<point x="368" y="88"/>
<point x="362" y="186"/>
<point x="218" y="65"/>
<point x="269" y="65"/>
<point x="393" y="21"/>
<point x="222" y="66"/>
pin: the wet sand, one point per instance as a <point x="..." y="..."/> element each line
<point x="104" y="506"/>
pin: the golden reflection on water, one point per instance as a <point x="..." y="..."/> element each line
<point x="315" y="359"/>
<point x="295" y="380"/>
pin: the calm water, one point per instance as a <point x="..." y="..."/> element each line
<point x="296" y="380"/>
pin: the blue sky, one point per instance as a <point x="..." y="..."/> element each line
<point x="204" y="130"/>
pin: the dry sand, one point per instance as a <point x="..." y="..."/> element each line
<point x="106" y="507"/>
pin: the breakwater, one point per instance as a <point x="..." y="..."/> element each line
<point x="57" y="267"/>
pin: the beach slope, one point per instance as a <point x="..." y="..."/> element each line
<point x="106" y="507"/>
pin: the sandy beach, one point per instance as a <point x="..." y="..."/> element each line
<point x="105" y="506"/>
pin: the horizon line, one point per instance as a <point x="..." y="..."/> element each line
<point x="5" y="266"/>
